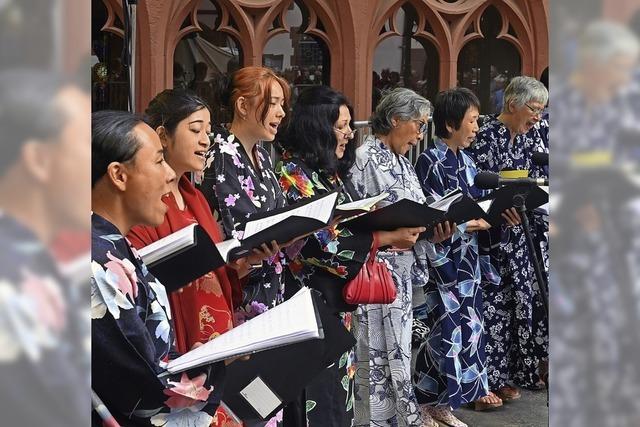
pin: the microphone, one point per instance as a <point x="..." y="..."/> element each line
<point x="489" y="180"/>
<point x="540" y="159"/>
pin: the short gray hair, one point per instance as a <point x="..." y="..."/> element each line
<point x="603" y="40"/>
<point x="401" y="103"/>
<point x="522" y="90"/>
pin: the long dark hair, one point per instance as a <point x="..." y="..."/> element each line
<point x="171" y="106"/>
<point x="310" y="135"/>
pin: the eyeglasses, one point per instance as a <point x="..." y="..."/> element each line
<point x="346" y="135"/>
<point x="423" y="126"/>
<point x="534" y="111"/>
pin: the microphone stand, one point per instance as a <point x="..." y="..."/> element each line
<point x="519" y="202"/>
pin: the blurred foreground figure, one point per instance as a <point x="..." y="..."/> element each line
<point x="44" y="166"/>
<point x="595" y="232"/>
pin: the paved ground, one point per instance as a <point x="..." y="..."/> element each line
<point x="529" y="411"/>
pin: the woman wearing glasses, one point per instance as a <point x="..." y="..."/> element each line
<point x="387" y="393"/>
<point x="317" y="155"/>
<point x="514" y="314"/>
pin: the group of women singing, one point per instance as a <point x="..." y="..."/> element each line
<point x="449" y="284"/>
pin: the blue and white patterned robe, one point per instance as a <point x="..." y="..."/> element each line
<point x="392" y="400"/>
<point x="515" y="320"/>
<point x="450" y="366"/>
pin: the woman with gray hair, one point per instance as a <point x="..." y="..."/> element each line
<point x="383" y="376"/>
<point x="515" y="318"/>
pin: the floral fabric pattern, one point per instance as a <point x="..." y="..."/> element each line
<point x="384" y="390"/>
<point x="44" y="330"/>
<point x="236" y="189"/>
<point x="133" y="339"/>
<point x="450" y="366"/>
<point x="515" y="320"/>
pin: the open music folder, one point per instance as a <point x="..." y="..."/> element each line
<point x="189" y="253"/>
<point x="293" y="321"/>
<point x="256" y="389"/>
<point x="453" y="207"/>
<point x="502" y="199"/>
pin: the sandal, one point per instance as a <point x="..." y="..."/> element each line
<point x="444" y="415"/>
<point x="489" y="401"/>
<point x="507" y="393"/>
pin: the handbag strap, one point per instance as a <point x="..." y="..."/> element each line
<point x="374" y="247"/>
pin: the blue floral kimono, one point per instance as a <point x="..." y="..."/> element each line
<point x="44" y="359"/>
<point x="389" y="399"/>
<point x="235" y="189"/>
<point x="515" y="320"/>
<point x="450" y="367"/>
<point x="132" y="340"/>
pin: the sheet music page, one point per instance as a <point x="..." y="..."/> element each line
<point x="485" y="205"/>
<point x="363" y="204"/>
<point x="292" y="321"/>
<point x="164" y="247"/>
<point x="319" y="209"/>
<point x="445" y="202"/>
<point x="226" y="246"/>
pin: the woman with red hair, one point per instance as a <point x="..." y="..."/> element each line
<point x="238" y="178"/>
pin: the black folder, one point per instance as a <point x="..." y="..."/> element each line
<point x="287" y="370"/>
<point x="186" y="265"/>
<point x="409" y="213"/>
<point x="503" y="200"/>
<point x="286" y="230"/>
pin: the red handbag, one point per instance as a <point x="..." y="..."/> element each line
<point x="373" y="284"/>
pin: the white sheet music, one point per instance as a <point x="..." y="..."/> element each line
<point x="164" y="247"/>
<point x="363" y="204"/>
<point x="226" y="246"/>
<point x="485" y="205"/>
<point x="292" y="321"/>
<point x="319" y="209"/>
<point x="445" y="202"/>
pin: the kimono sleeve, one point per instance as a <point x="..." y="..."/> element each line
<point x="131" y="389"/>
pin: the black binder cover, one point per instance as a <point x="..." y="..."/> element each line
<point x="288" y="369"/>
<point x="284" y="231"/>
<point x="408" y="213"/>
<point x="503" y="200"/>
<point x="183" y="267"/>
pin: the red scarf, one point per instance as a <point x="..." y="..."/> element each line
<point x="175" y="219"/>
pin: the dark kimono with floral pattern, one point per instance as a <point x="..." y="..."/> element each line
<point x="450" y="366"/>
<point x="332" y="256"/>
<point x="236" y="189"/>
<point x="44" y="359"/>
<point x="132" y="340"/>
<point x="516" y="324"/>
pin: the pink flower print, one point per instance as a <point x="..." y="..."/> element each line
<point x="247" y="185"/>
<point x="49" y="301"/>
<point x="230" y="200"/>
<point x="125" y="275"/>
<point x="237" y="162"/>
<point x="187" y="392"/>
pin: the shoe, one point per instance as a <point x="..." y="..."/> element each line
<point x="507" y="393"/>
<point x="483" y="404"/>
<point x="444" y="415"/>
